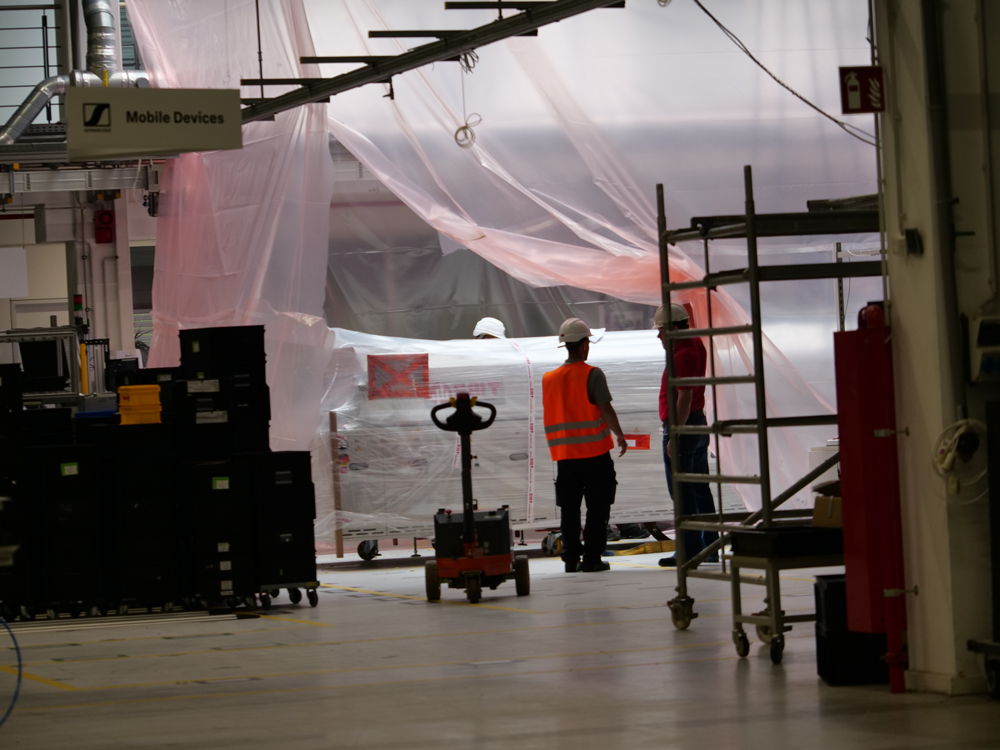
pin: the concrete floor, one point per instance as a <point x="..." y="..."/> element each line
<point x="587" y="660"/>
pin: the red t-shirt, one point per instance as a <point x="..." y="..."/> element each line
<point x="690" y="360"/>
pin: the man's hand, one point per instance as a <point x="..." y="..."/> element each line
<point x="622" y="444"/>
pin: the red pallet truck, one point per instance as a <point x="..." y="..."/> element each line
<point x="472" y="549"/>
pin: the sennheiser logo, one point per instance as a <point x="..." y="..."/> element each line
<point x="97" y="115"/>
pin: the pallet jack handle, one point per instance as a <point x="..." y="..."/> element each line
<point x="464" y="421"/>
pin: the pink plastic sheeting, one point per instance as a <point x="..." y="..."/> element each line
<point x="242" y="235"/>
<point x="577" y="126"/>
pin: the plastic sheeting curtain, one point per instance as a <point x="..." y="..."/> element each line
<point x="572" y="130"/>
<point x="242" y="235"/>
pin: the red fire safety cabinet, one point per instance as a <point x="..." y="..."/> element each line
<point x="869" y="483"/>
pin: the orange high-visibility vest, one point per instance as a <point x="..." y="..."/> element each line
<point x="573" y="425"/>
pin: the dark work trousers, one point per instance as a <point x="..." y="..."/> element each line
<point x="696" y="497"/>
<point x="593" y="480"/>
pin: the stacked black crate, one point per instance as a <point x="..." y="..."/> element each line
<point x="172" y="389"/>
<point x="283" y="493"/>
<point x="844" y="657"/>
<point x="13" y="555"/>
<point x="59" y="488"/>
<point x="139" y="514"/>
<point x="225" y="410"/>
<point x="227" y="407"/>
<point x="221" y="545"/>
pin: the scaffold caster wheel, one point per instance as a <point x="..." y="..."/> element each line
<point x="522" y="581"/>
<point x="432" y="581"/>
<point x="368" y="549"/>
<point x="312" y="597"/>
<point x="993" y="677"/>
<point x="777" y="648"/>
<point x="295" y="596"/>
<point x="552" y="544"/>
<point x="742" y="643"/>
<point x="764" y="633"/>
<point x="265" y="601"/>
<point x="681" y="612"/>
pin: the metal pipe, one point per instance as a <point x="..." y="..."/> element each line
<point x="30" y="107"/>
<point x="102" y="59"/>
<point x="102" y="55"/>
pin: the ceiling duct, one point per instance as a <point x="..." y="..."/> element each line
<point x="102" y="64"/>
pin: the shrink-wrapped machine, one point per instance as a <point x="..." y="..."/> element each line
<point x="395" y="468"/>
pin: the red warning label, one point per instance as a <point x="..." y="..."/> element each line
<point x="398" y="376"/>
<point x="637" y="442"/>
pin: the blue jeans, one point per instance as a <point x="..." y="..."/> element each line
<point x="696" y="497"/>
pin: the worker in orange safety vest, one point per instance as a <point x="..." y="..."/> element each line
<point x="579" y="421"/>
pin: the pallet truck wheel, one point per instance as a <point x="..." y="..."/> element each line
<point x="274" y="593"/>
<point x="295" y="596"/>
<point x="474" y="590"/>
<point x="993" y="677"/>
<point x="432" y="581"/>
<point x="312" y="596"/>
<point x="742" y="643"/>
<point x="777" y="649"/>
<point x="27" y="613"/>
<point x="50" y="614"/>
<point x="522" y="581"/>
<point x="368" y="549"/>
<point x="122" y="610"/>
<point x="265" y="601"/>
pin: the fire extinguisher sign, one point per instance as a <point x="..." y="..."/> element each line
<point x="862" y="90"/>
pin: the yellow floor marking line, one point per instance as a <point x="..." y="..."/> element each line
<point x="428" y="665"/>
<point x="313" y="689"/>
<point x="39" y="679"/>
<point x="315" y="623"/>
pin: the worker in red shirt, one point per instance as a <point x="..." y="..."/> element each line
<point x="579" y="423"/>
<point x="690" y="359"/>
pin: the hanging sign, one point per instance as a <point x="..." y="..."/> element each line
<point x="862" y="90"/>
<point x="107" y="123"/>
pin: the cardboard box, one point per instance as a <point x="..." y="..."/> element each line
<point x="827" y="512"/>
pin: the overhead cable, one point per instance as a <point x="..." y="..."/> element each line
<point x="853" y="131"/>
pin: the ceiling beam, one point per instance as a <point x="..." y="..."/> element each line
<point x="423" y="55"/>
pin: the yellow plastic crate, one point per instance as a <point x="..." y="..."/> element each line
<point x="140" y="415"/>
<point x="139" y="395"/>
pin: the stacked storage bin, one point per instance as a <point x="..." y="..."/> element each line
<point x="283" y="493"/>
<point x="219" y="535"/>
<point x="227" y="408"/>
<point x="11" y="524"/>
<point x="139" y="497"/>
<point x="176" y="498"/>
<point x="139" y="404"/>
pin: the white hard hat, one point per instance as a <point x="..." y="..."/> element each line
<point x="678" y="314"/>
<point x="574" y="329"/>
<point x="490" y="327"/>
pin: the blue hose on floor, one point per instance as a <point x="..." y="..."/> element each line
<point x="20" y="665"/>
